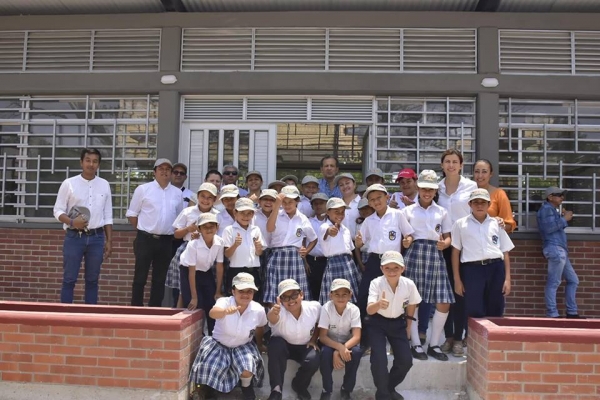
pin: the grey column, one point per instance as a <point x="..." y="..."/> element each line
<point x="487" y="130"/>
<point x="170" y="49"/>
<point x="168" y="125"/>
<point x="488" y="57"/>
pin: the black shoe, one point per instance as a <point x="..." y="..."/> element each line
<point x="419" y="355"/>
<point x="345" y="395"/>
<point x="575" y="316"/>
<point x="395" y="395"/>
<point x="325" y="396"/>
<point x="248" y="393"/>
<point x="422" y="338"/>
<point x="275" y="395"/>
<point x="302" y="393"/>
<point x="438" y="355"/>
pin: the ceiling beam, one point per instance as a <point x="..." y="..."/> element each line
<point x="173" y="5"/>
<point x="488" y="5"/>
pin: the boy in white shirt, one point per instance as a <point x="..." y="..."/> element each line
<point x="315" y="258"/>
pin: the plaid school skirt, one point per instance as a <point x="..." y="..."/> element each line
<point x="340" y="266"/>
<point x="284" y="263"/>
<point x="220" y="367"/>
<point x="173" y="277"/>
<point x="426" y="267"/>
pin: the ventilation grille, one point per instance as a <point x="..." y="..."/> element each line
<point x="104" y="50"/>
<point x="213" y="109"/>
<point x="277" y="110"/>
<point x="587" y="53"/>
<point x="359" y="110"/>
<point x="336" y="49"/>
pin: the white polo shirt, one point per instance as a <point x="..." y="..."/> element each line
<point x="189" y="216"/>
<point x="237" y="329"/>
<point x="93" y="194"/>
<point x="365" y="247"/>
<point x="187" y="193"/>
<point x="224" y="219"/>
<point x="406" y="294"/>
<point x="385" y="233"/>
<point x="352" y="214"/>
<point x="260" y="220"/>
<point x="339" y="244"/>
<point x="298" y="331"/>
<point x="245" y="254"/>
<point x="317" y="251"/>
<point x="480" y="241"/>
<point x="429" y="223"/>
<point x="291" y="231"/>
<point x="305" y="207"/>
<point x="339" y="327"/>
<point x="156" y="208"/>
<point x="397" y="196"/>
<point x="457" y="203"/>
<point x="197" y="254"/>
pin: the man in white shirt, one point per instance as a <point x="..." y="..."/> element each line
<point x="178" y="177"/>
<point x="152" y="211"/>
<point x="230" y="177"/>
<point x="86" y="236"/>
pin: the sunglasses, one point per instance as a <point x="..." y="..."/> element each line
<point x="290" y="297"/>
<point x="181" y="173"/>
<point x="230" y="173"/>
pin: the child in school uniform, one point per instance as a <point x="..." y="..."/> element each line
<point x="339" y="334"/>
<point x="480" y="260"/>
<point x="309" y="187"/>
<point x="243" y="243"/>
<point x="364" y="210"/>
<point x="316" y="259"/>
<point x="293" y="322"/>
<point x="391" y="309"/>
<point x="198" y="257"/>
<point x="425" y="262"/>
<point x="288" y="228"/>
<point x="266" y="200"/>
<point x="228" y="196"/>
<point x="230" y="355"/>
<point x="336" y="241"/>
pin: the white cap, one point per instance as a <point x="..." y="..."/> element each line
<point x="428" y="179"/>
<point x="479" y="194"/>
<point x="268" y="193"/>
<point x="244" y="204"/>
<point x="377" y="187"/>
<point x="340" y="284"/>
<point x="336" y="202"/>
<point x="208" y="187"/>
<point x="290" y="191"/>
<point x="319" y="196"/>
<point x="363" y="203"/>
<point x="206" y="218"/>
<point x="309" y="179"/>
<point x="392" y="256"/>
<point x="257" y="173"/>
<point x="162" y="161"/>
<point x="346" y="175"/>
<point x="229" y="191"/>
<point x="243" y="281"/>
<point x="290" y="177"/>
<point x="286" y="285"/>
<point x="277" y="183"/>
<point x="374" y="171"/>
<point x="361" y="188"/>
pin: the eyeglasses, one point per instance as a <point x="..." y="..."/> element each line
<point x="290" y="297"/>
<point x="230" y="173"/>
<point x="558" y="194"/>
<point x="179" y="173"/>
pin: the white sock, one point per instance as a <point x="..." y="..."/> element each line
<point x="437" y="328"/>
<point x="414" y="329"/>
<point x="277" y="389"/>
<point x="246" y="381"/>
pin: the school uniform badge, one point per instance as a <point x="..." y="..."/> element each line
<point x="251" y="334"/>
<point x="495" y="239"/>
<point x="438" y="228"/>
<point x="298" y="232"/>
<point x="392" y="235"/>
<point x="312" y="331"/>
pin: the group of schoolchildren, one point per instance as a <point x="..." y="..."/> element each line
<point x="322" y="281"/>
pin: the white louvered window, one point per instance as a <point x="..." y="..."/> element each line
<point x="551" y="143"/>
<point x="103" y="50"/>
<point x="330" y="49"/>
<point x="41" y="139"/>
<point x="549" y="52"/>
<point x="414" y="132"/>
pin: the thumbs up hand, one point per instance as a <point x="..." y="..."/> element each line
<point x="257" y="245"/>
<point x="232" y="310"/>
<point x="238" y="240"/>
<point x="333" y="230"/>
<point x="441" y="243"/>
<point x="407" y="241"/>
<point x="276" y="309"/>
<point x="383" y="303"/>
<point x="358" y="240"/>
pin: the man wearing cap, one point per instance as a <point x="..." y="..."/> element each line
<point x="374" y="175"/>
<point x="178" y="177"/>
<point x="86" y="235"/>
<point x="552" y="224"/>
<point x="329" y="169"/>
<point x="230" y="177"/>
<point x="310" y="186"/>
<point x="152" y="211"/>
<point x="407" y="179"/>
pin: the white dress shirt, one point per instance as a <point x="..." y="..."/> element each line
<point x="457" y="203"/>
<point x="260" y="220"/>
<point x="291" y="231"/>
<point x="156" y="208"/>
<point x="197" y="254"/>
<point x="187" y="193"/>
<point x="224" y="219"/>
<point x="245" y="254"/>
<point x="189" y="216"/>
<point x="305" y="207"/>
<point x="339" y="244"/>
<point x="352" y="214"/>
<point x="316" y="223"/>
<point x="339" y="327"/>
<point x="429" y="223"/>
<point x="406" y="294"/>
<point x="94" y="195"/>
<point x="385" y="233"/>
<point x="480" y="241"/>
<point x="297" y="331"/>
<point x="237" y="329"/>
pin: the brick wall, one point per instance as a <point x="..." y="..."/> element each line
<point x="31" y="270"/>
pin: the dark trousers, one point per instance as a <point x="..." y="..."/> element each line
<point x="155" y="253"/>
<point x="350" y="370"/>
<point x="254" y="271"/>
<point x="206" y="287"/>
<point x="175" y="291"/>
<point x="317" y="270"/>
<point x="483" y="289"/>
<point x="394" y="330"/>
<point x="280" y="351"/>
<point x="424" y="316"/>
<point x="457" y="317"/>
<point x="372" y="271"/>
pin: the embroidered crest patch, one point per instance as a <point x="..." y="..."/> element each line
<point x="298" y="232"/>
<point x="392" y="235"/>
<point x="438" y="228"/>
<point x="495" y="239"/>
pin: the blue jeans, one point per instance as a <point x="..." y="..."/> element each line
<point x="350" y="370"/>
<point x="76" y="248"/>
<point x="559" y="268"/>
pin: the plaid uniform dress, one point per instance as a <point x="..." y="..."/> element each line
<point x="220" y="367"/>
<point x="339" y="266"/>
<point x="173" y="277"/>
<point x="284" y="263"/>
<point x="426" y="267"/>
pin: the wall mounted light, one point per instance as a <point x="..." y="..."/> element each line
<point x="489" y="82"/>
<point x="168" y="79"/>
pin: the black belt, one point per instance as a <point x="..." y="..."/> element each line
<point x="316" y="258"/>
<point x="483" y="262"/>
<point x="94" y="231"/>
<point x="153" y="236"/>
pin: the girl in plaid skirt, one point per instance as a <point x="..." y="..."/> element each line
<point x="425" y="262"/>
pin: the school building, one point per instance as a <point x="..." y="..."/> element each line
<point x="274" y="86"/>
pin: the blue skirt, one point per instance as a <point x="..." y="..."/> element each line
<point x="340" y="266"/>
<point x="426" y="267"/>
<point x="173" y="277"/>
<point x="284" y="263"/>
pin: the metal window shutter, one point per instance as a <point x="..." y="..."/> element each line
<point x="535" y="52"/>
<point x="276" y="109"/>
<point x="289" y="49"/>
<point x="364" y="49"/>
<point x="348" y="110"/>
<point x="440" y="50"/>
<point x="261" y="153"/>
<point x="58" y="51"/>
<point x="126" y="49"/>
<point x="216" y="49"/>
<point x="11" y="51"/>
<point x="587" y="53"/>
<point x="196" y="159"/>
<point x="213" y="109"/>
